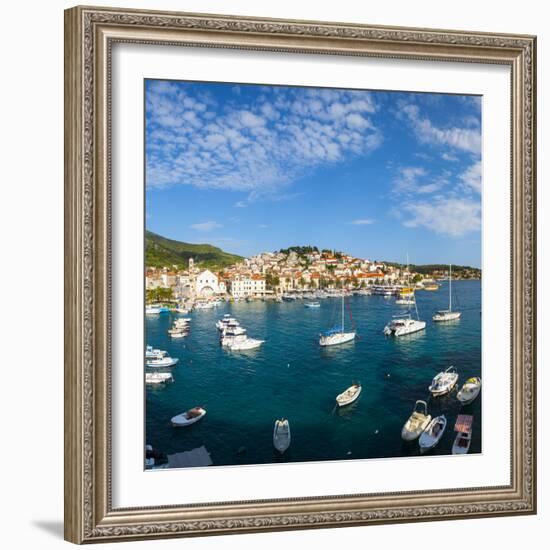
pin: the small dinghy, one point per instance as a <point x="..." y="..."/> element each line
<point x="189" y="417"/>
<point x="349" y="396"/>
<point x="469" y="391"/>
<point x="281" y="435"/>
<point x="417" y="422"/>
<point x="432" y="434"/>
<point x="158" y="377"/>
<point x="463" y="438"/>
<point x="164" y="362"/>
<point x="444" y="382"/>
<point x="312" y="304"/>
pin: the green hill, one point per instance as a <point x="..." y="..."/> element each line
<point x="161" y="252"/>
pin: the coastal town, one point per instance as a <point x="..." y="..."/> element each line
<point x="286" y="273"/>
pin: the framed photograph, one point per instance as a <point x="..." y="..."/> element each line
<point x="300" y="274"/>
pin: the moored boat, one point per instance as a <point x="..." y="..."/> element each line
<point x="154" y="353"/>
<point x="447" y="314"/>
<point x="281" y="435"/>
<point x="243" y="343"/>
<point x="348" y="396"/>
<point x="163" y="362"/>
<point x="189" y="417"/>
<point x="431" y="436"/>
<point x="401" y="325"/>
<point x="469" y="391"/>
<point x="337" y="335"/>
<point x="158" y="377"/>
<point x="417" y="422"/>
<point x="463" y="439"/>
<point x="444" y="382"/>
<point x="312" y="304"/>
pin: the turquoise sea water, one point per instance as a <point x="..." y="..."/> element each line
<point x="291" y="376"/>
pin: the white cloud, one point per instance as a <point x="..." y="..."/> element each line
<point x="259" y="147"/>
<point x="206" y="226"/>
<point x="448" y="157"/>
<point x="472" y="176"/>
<point x="465" y="139"/>
<point x="362" y="222"/>
<point x="446" y="216"/>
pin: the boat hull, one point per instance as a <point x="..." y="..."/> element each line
<point x="281" y="435"/>
<point x="336" y="339"/>
<point x="427" y="440"/>
<point x="343" y="401"/>
<point x="181" y="421"/>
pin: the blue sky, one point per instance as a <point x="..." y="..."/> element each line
<point x="253" y="168"/>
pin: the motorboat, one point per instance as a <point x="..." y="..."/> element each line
<point x="417" y="422"/>
<point x="229" y="335"/>
<point x="405" y="301"/>
<point x="204" y="305"/>
<point x="189" y="417"/>
<point x="430" y="437"/>
<point x="402" y="325"/>
<point x="312" y="304"/>
<point x="227" y="320"/>
<point x="163" y="362"/>
<point x="158" y="377"/>
<point x="179" y="334"/>
<point x="155" y="310"/>
<point x="153" y="353"/>
<point x="349" y="396"/>
<point x="447" y="314"/>
<point x="337" y="335"/>
<point x="431" y="286"/>
<point x="463" y="439"/>
<point x="469" y="391"/>
<point x="281" y="435"/>
<point x="243" y="343"/>
<point x="444" y="382"/>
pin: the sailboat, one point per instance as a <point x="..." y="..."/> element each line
<point x="402" y="325"/>
<point x="447" y="314"/>
<point x="337" y="335"/>
<point x="406" y="294"/>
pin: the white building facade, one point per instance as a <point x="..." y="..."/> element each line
<point x="206" y="284"/>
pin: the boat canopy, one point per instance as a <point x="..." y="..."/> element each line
<point x="464" y="423"/>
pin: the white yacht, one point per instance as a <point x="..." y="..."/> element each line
<point x="158" y="377"/>
<point x="163" y="362"/>
<point x="337" y="335"/>
<point x="154" y="353"/>
<point x="229" y="335"/>
<point x="243" y="343"/>
<point x="444" y="382"/>
<point x="401" y="325"/>
<point x="447" y="314"/>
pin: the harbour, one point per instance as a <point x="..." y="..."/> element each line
<point x="291" y="376"/>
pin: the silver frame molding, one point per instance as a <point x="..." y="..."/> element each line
<point x="89" y="35"/>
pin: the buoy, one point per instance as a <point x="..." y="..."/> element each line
<point x="375" y="431"/>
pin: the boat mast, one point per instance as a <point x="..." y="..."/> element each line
<point x="450" y="278"/>
<point x="342" y="311"/>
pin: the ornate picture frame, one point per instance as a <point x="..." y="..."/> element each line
<point x="90" y="34"/>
